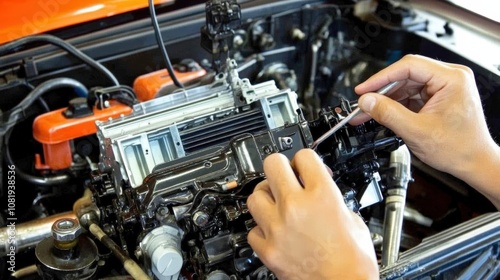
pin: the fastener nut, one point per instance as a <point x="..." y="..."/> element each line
<point x="66" y="229"/>
<point x="200" y="218"/>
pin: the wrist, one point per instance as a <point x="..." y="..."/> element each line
<point x="483" y="172"/>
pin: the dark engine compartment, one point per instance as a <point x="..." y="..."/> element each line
<point x="293" y="68"/>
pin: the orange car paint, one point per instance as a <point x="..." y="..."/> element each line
<point x="22" y="18"/>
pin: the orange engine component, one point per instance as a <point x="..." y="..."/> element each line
<point x="147" y="86"/>
<point x="55" y="132"/>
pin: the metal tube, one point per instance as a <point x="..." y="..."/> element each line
<point x="25" y="235"/>
<point x="130" y="265"/>
<point x="382" y="91"/>
<point x="24" y="272"/>
<point x="400" y="162"/>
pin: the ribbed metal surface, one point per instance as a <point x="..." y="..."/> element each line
<point x="222" y="131"/>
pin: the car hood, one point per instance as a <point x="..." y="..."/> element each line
<point x="27" y="17"/>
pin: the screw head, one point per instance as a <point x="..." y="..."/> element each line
<point x="267" y="149"/>
<point x="66" y="229"/>
<point x="238" y="40"/>
<point x="200" y="218"/>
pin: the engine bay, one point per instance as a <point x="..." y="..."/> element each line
<point x="116" y="167"/>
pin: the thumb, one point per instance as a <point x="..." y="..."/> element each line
<point x="388" y="112"/>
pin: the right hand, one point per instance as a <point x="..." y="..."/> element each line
<point x="445" y="126"/>
<point x="296" y="242"/>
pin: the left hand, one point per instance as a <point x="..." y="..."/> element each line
<point x="304" y="229"/>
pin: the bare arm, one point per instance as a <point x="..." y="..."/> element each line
<point x="445" y="126"/>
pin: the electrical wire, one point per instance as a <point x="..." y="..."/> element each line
<point x="12" y="46"/>
<point x="36" y="180"/>
<point x="17" y="113"/>
<point x="159" y="40"/>
<point x="123" y="94"/>
<point x="29" y="86"/>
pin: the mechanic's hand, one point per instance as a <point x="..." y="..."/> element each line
<point x="304" y="229"/>
<point x="445" y="126"/>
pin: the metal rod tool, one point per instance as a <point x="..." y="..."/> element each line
<point x="384" y="90"/>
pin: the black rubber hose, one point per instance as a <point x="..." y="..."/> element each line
<point x="63" y="45"/>
<point x="36" y="180"/>
<point x="29" y="86"/>
<point x="159" y="40"/>
<point x="17" y="112"/>
<point x="16" y="115"/>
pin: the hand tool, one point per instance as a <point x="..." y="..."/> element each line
<point x="384" y="90"/>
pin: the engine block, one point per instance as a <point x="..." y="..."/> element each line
<point x="100" y="186"/>
<point x="174" y="176"/>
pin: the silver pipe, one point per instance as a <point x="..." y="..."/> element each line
<point x="400" y="163"/>
<point x="414" y="216"/>
<point x="24" y="272"/>
<point x="26" y="235"/>
<point x="314" y="64"/>
<point x="129" y="264"/>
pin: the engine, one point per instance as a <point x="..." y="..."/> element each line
<point x="114" y="167"/>
<point x="174" y="175"/>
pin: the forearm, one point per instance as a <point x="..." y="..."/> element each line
<point x="484" y="174"/>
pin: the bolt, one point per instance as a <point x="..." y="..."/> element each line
<point x="66" y="230"/>
<point x="267" y="149"/>
<point x="162" y="211"/>
<point x="266" y="41"/>
<point x="286" y="143"/>
<point x="200" y="218"/>
<point x="138" y="253"/>
<point x="238" y="41"/>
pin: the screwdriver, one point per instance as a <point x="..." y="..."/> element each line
<point x="384" y="90"/>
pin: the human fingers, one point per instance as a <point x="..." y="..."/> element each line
<point x="360" y="118"/>
<point x="262" y="207"/>
<point x="390" y="113"/>
<point x="416" y="68"/>
<point x="413" y="103"/>
<point x="310" y="169"/>
<point x="408" y="89"/>
<point x="257" y="240"/>
<point x="264" y="186"/>
<point x="409" y="93"/>
<point x="280" y="176"/>
<point x="330" y="171"/>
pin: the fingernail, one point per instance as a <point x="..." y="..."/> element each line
<point x="366" y="103"/>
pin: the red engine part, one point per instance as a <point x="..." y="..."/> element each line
<point x="55" y="132"/>
<point x="147" y="86"/>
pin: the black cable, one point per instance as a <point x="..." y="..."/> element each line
<point x="37" y="180"/>
<point x="159" y="40"/>
<point x="63" y="45"/>
<point x="29" y="86"/>
<point x="123" y="94"/>
<point x="16" y="114"/>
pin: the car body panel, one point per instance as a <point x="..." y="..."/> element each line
<point x="27" y="17"/>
